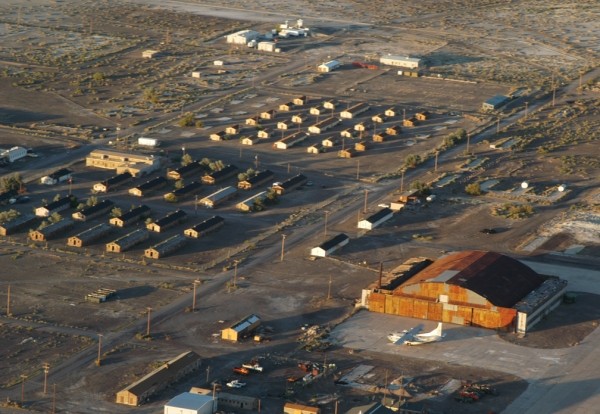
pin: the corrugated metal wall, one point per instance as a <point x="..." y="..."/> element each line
<point x="457" y="311"/>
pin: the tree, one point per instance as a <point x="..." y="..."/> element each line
<point x="92" y="201"/>
<point x="421" y="187"/>
<point x="98" y="77"/>
<point x="186" y="159"/>
<point x="150" y="95"/>
<point x="412" y="160"/>
<point x="8" y="215"/>
<point x="199" y="123"/>
<point x="179" y="184"/>
<point x="473" y="189"/>
<point x="242" y="177"/>
<point x="187" y="120"/>
<point x="171" y="198"/>
<point x="54" y="218"/>
<point x="11" y="182"/>
<point x="56" y="197"/>
<point x="116" y="212"/>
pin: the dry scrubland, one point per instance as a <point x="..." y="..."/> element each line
<point x="71" y="73"/>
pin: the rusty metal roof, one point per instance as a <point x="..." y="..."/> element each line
<point x="500" y="279"/>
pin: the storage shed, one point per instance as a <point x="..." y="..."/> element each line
<point x="128" y="241"/>
<point x="162" y="377"/>
<point x="133" y="215"/>
<point x="52" y="230"/>
<point x="495" y="102"/>
<point x="170" y="220"/>
<point x="289" y="184"/>
<point x="85" y="238"/>
<point x="403" y="61"/>
<point x="96" y="210"/>
<point x="329" y="66"/>
<point x="16" y="224"/>
<point x="57" y="206"/>
<point x="112" y="183"/>
<point x="376" y="219"/>
<point x="218" y="197"/>
<point x="59" y="176"/>
<point x="216" y="177"/>
<point x="330" y="246"/>
<point x="477" y="288"/>
<point x="355" y="110"/>
<point x="166" y="247"/>
<point x="241" y="329"/>
<point x="205" y="227"/>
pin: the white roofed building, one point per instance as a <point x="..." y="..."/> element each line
<point x="403" y="61"/>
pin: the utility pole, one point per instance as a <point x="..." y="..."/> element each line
<point x="553" y="90"/>
<point x="526" y="108"/>
<point x="326" y="215"/>
<point x="196" y="204"/>
<point x="282" y="246"/>
<point x="196" y="283"/>
<point x="498" y="126"/>
<point x="402" y="182"/>
<point x="366" y="195"/>
<point x="98" y="360"/>
<point x="208" y="373"/>
<point x="149" y="309"/>
<point x="8" y="313"/>
<point x="23" y="376"/>
<point x="46" y="370"/>
<point x="329" y="289"/>
<point x="256" y="162"/>
<point x="54" y="398"/>
<point x="235" y="264"/>
<point x="436" y="161"/>
<point x="468" y="143"/>
<point x="357" y="169"/>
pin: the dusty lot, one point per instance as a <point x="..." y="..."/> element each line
<point x="72" y="74"/>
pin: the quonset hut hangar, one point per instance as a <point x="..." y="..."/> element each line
<point x="475" y="288"/>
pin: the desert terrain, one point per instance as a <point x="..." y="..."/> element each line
<point x="72" y="79"/>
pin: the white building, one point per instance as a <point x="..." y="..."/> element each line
<point x="267" y="46"/>
<point x="14" y="154"/>
<point x="329" y="66"/>
<point x="403" y="61"/>
<point x="242" y="37"/>
<point x="191" y="403"/>
<point x="376" y="219"/>
<point x="330" y="245"/>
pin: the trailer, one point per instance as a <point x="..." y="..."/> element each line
<point x="148" y="142"/>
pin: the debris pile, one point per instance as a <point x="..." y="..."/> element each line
<point x="314" y="338"/>
<point x="470" y="393"/>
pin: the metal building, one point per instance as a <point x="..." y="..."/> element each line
<point x="330" y="246"/>
<point x="376" y="219"/>
<point x="403" y="61"/>
<point x="241" y="329"/>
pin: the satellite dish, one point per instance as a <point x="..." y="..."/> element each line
<point x="524" y="184"/>
<point x="562" y="187"/>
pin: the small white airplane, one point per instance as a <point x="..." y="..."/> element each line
<point x="426" y="338"/>
<point x="412" y="337"/>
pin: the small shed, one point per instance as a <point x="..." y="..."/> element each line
<point x="423" y="115"/>
<point x="355" y="110"/>
<point x="286" y="107"/>
<point x="269" y="114"/>
<point x="315" y="149"/>
<point x="264" y="133"/>
<point x="221" y="175"/>
<point x="330" y="104"/>
<point x="330" y="142"/>
<point x="170" y="220"/>
<point x="133" y="215"/>
<point x="56" y="177"/>
<point x="361" y="146"/>
<point x="390" y="112"/>
<point x="256" y="180"/>
<point x="380" y="137"/>
<point x="376" y="219"/>
<point x="363" y="126"/>
<point x="59" y="205"/>
<point x="16" y="224"/>
<point x="113" y="182"/>
<point x="347" y="153"/>
<point x="330" y="246"/>
<point x="205" y="227"/>
<point x="393" y="130"/>
<point x="284" y="125"/>
<point x="410" y="122"/>
<point x="96" y="210"/>
<point x="253" y="120"/>
<point x="148" y="187"/>
<point x="379" y="118"/>
<point x="250" y="140"/>
<point x="188" y="170"/>
<point x="289" y="184"/>
<point x="409" y="196"/>
<point x="241" y="328"/>
<point x="347" y="133"/>
<point x="300" y="100"/>
<point x="127" y="241"/>
<point x="248" y="204"/>
<point x="299" y="118"/>
<point x="149" y="54"/>
<point x="495" y="103"/>
<point x="88" y="236"/>
<point x="217" y="136"/>
<point x="166" y="247"/>
<point x="233" y="129"/>
<point x="329" y="66"/>
<point x="218" y="197"/>
<point x="52" y="230"/>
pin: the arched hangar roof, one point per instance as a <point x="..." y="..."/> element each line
<point x="503" y="281"/>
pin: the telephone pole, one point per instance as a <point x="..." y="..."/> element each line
<point x="8" y="313"/>
<point x="98" y="360"/>
<point x="326" y="215"/>
<point x="196" y="283"/>
<point x="46" y="370"/>
<point x="149" y="309"/>
<point x="436" y="161"/>
<point x="329" y="288"/>
<point x="366" y="195"/>
<point x="468" y="143"/>
<point x="282" y="246"/>
<point x="23" y="376"/>
<point x="235" y="264"/>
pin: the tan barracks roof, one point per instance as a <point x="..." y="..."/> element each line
<point x="500" y="279"/>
